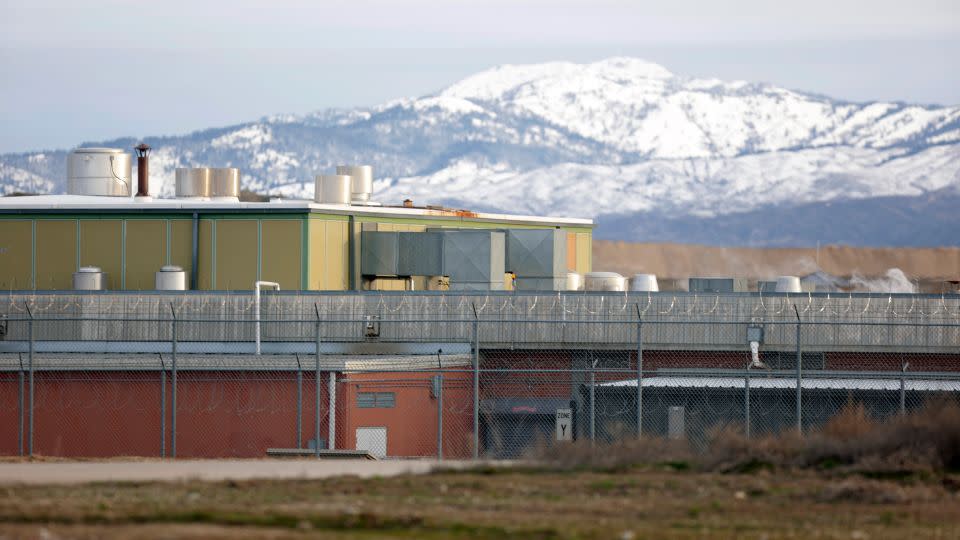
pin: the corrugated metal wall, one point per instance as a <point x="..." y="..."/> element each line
<point x="301" y="252"/>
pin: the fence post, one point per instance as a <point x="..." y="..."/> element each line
<point x="163" y="409"/>
<point x="799" y="375"/>
<point x="440" y="417"/>
<point x="316" y="405"/>
<point x="299" y="403"/>
<point x="639" y="372"/>
<point x="903" y="388"/>
<point x="593" y="395"/>
<point x="31" y="384"/>
<point x="476" y="383"/>
<point x="20" y="407"/>
<point x="173" y="382"/>
<point x="746" y="402"/>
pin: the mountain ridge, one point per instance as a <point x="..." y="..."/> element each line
<point x="622" y="137"/>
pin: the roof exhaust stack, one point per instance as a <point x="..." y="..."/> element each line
<point x="143" y="170"/>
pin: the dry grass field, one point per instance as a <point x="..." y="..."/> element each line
<point x="854" y="479"/>
<point x="642" y="502"/>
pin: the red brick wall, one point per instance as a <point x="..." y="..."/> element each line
<point x="412" y="423"/>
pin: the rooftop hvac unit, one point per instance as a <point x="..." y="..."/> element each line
<point x="89" y="278"/>
<point x="379" y="253"/>
<point x="361" y="188"/>
<point x="788" y="284"/>
<point x="717" y="285"/>
<point x="536" y="253"/>
<point x="644" y="283"/>
<point x="420" y="254"/>
<point x="225" y="183"/>
<point x="474" y="259"/>
<point x="99" y="171"/>
<point x="171" y="278"/>
<point x="766" y="286"/>
<point x="193" y="183"/>
<point x="604" y="281"/>
<point x="574" y="282"/>
<point x="332" y="189"/>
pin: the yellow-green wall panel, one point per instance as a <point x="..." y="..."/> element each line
<point x="328" y="255"/>
<point x="316" y="248"/>
<point x="56" y="253"/>
<point x="336" y="256"/>
<point x="101" y="244"/>
<point x="16" y="254"/>
<point x="205" y="255"/>
<point x="181" y="245"/>
<point x="281" y="246"/>
<point x="236" y="254"/>
<point x="571" y="252"/>
<point x="584" y="253"/>
<point x="146" y="252"/>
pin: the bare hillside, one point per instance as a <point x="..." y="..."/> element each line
<point x="684" y="260"/>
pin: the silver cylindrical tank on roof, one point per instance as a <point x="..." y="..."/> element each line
<point x="604" y="281"/>
<point x="99" y="171"/>
<point x="644" y="283"/>
<point x="333" y="189"/>
<point x="788" y="284"/>
<point x="89" y="278"/>
<point x="171" y="278"/>
<point x="193" y="182"/>
<point x="225" y="183"/>
<point x="574" y="282"/>
<point x="362" y="185"/>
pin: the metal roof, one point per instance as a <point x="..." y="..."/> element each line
<point x="784" y="383"/>
<point x="81" y="203"/>
<point x="214" y="362"/>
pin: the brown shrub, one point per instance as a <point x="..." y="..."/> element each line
<point x="925" y="440"/>
<point x="618" y="455"/>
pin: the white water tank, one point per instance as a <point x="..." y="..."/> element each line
<point x="89" y="278"/>
<point x="193" y="183"/>
<point x="362" y="184"/>
<point x="225" y="183"/>
<point x="604" y="281"/>
<point x="171" y="278"/>
<point x="333" y="189"/>
<point x="788" y="284"/>
<point x="574" y="282"/>
<point x="99" y="171"/>
<point x="644" y="283"/>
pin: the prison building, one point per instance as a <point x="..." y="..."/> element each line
<point x="301" y="245"/>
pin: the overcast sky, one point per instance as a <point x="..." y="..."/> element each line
<point x="85" y="71"/>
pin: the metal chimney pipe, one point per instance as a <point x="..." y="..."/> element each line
<point x="143" y="170"/>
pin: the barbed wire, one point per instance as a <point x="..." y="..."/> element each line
<point x="576" y="304"/>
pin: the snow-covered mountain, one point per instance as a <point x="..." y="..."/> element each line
<point x="621" y="140"/>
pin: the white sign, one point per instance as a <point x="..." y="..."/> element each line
<point x="564" y="425"/>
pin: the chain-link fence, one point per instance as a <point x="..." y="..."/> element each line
<point x="486" y="383"/>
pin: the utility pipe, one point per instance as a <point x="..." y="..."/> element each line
<point x="256" y="288"/>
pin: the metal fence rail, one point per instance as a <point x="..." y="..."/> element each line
<point x="475" y="385"/>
